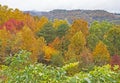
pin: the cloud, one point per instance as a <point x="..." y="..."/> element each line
<point x="45" y="5"/>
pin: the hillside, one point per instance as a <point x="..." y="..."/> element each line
<point x="37" y="50"/>
<point x="88" y="15"/>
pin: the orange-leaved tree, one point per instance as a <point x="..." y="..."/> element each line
<point x="49" y="51"/>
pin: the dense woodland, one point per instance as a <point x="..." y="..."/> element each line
<point x="37" y="50"/>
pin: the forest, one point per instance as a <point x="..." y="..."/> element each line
<point x="38" y="50"/>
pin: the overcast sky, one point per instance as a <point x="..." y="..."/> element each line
<point x="47" y="5"/>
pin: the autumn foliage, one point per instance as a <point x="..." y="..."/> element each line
<point x="115" y="60"/>
<point x="50" y="40"/>
<point x="101" y="54"/>
<point x="12" y="25"/>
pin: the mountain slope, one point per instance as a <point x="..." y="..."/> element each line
<point x="70" y="15"/>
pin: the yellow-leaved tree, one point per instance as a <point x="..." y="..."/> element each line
<point x="57" y="23"/>
<point x="40" y="23"/>
<point x="101" y="55"/>
<point x="5" y="37"/>
<point x="76" y="46"/>
<point x="30" y="43"/>
<point x="15" y="43"/>
<point x="77" y="43"/>
<point x="78" y="25"/>
<point x="29" y="21"/>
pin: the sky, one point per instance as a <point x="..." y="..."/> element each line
<point x="48" y="5"/>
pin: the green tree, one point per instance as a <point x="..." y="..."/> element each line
<point x="97" y="31"/>
<point x="48" y="32"/>
<point x="61" y="30"/>
<point x="112" y="40"/>
<point x="92" y="40"/>
<point x="100" y="28"/>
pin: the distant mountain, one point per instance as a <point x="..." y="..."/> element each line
<point x="70" y="15"/>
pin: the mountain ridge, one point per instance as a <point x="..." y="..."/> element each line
<point x="70" y="15"/>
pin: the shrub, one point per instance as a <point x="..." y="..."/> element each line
<point x="115" y="60"/>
